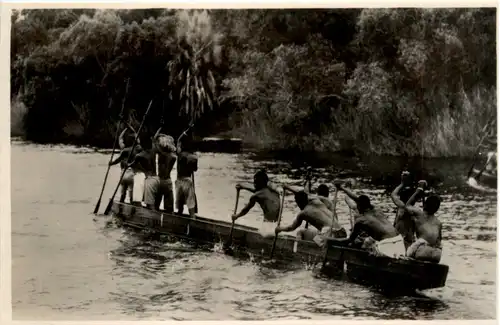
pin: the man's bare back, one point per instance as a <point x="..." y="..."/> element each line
<point x="428" y="227"/>
<point x="266" y="195"/>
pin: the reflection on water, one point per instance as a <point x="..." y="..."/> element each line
<point x="65" y="266"/>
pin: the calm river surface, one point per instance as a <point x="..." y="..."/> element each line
<point x="65" y="266"/>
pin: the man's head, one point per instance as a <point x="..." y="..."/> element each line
<point x="260" y="179"/>
<point x="432" y="204"/>
<point x="363" y="204"/>
<point x="301" y="199"/>
<point x="323" y="190"/>
<point x="129" y="139"/>
<point x="165" y="143"/>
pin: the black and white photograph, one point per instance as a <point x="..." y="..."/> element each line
<point x="252" y="164"/>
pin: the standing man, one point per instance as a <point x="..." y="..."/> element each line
<point x="127" y="182"/>
<point x="165" y="148"/>
<point x="145" y="164"/>
<point x="187" y="165"/>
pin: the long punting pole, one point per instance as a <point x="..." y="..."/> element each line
<point x="110" y="204"/>
<point x="120" y="118"/>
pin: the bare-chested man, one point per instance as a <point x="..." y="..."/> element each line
<point x="427" y="247"/>
<point x="403" y="222"/>
<point x="166" y="150"/>
<point x="383" y="237"/>
<point x="127" y="182"/>
<point x="265" y="194"/>
<point x="145" y="164"/>
<point x="318" y="215"/>
<point x="187" y="165"/>
<point x="322" y="197"/>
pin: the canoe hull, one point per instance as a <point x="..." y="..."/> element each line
<point x="486" y="179"/>
<point x="362" y="267"/>
<point x="358" y="265"/>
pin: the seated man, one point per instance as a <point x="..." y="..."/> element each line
<point x="323" y="192"/>
<point x="266" y="195"/>
<point x="316" y="213"/>
<point x="403" y="222"/>
<point x="383" y="239"/>
<point x="427" y="247"/>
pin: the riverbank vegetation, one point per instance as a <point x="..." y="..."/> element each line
<point x="377" y="81"/>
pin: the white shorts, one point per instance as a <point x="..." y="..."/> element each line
<point x="392" y="247"/>
<point x="266" y="230"/>
<point x="139" y="179"/>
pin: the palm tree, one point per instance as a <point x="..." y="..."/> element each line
<point x="191" y="79"/>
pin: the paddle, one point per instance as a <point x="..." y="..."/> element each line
<point x="279" y="222"/>
<point x="308" y="182"/>
<point x="331" y="227"/>
<point x="120" y="118"/>
<point x="227" y="245"/>
<point x="110" y="204"/>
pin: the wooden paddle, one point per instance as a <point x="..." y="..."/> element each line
<point x="110" y="204"/>
<point x="279" y="222"/>
<point x="227" y="245"/>
<point x="308" y="181"/>
<point x="331" y="227"/>
<point x="120" y="119"/>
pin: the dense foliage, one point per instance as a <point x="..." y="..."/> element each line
<point x="385" y="81"/>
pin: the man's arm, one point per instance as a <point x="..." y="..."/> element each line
<point x="246" y="209"/>
<point x="356" y="230"/>
<point x="347" y="191"/>
<point x="352" y="205"/>
<point x="118" y="159"/>
<point x="409" y="205"/>
<point x="294" y="189"/>
<point x="295" y="224"/>
<point x="243" y="186"/>
<point x="157" y="133"/>
<point x="395" y="197"/>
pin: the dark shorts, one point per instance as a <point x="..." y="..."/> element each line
<point x="166" y="193"/>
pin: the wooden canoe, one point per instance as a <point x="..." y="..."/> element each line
<point x="486" y="179"/>
<point x="358" y="265"/>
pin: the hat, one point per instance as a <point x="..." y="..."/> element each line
<point x="165" y="142"/>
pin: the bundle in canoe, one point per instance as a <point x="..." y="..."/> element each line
<point x="360" y="266"/>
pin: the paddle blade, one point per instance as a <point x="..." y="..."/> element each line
<point x="96" y="209"/>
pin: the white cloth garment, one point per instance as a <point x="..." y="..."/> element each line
<point x="139" y="186"/>
<point x="391" y="247"/>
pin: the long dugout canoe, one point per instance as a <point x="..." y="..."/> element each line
<point x="359" y="265"/>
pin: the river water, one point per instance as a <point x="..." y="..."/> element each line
<point x="67" y="266"/>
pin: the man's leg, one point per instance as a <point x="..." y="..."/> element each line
<point x="168" y="197"/>
<point x="179" y="196"/>
<point x="190" y="199"/>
